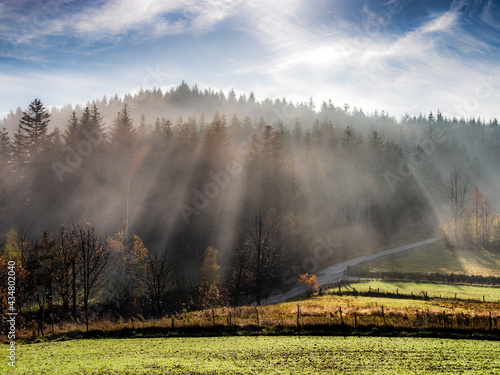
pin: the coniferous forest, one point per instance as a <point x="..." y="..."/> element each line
<point x="192" y="198"/>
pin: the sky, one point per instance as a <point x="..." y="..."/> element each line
<point x="401" y="56"/>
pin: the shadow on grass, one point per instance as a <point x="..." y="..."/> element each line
<point x="253" y="330"/>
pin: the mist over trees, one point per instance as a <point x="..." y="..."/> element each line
<point x="230" y="195"/>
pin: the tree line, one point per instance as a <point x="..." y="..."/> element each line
<point x="225" y="207"/>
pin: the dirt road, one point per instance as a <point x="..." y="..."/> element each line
<point x="335" y="273"/>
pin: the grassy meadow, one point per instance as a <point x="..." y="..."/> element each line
<point x="353" y="306"/>
<point x="259" y="355"/>
<point x="436" y="258"/>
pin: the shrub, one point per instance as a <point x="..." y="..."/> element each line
<point x="311" y="283"/>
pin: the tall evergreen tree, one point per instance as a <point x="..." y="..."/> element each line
<point x="72" y="130"/>
<point x="5" y="148"/>
<point x="97" y="125"/>
<point x="33" y="129"/>
<point x="216" y="143"/>
<point x="123" y="134"/>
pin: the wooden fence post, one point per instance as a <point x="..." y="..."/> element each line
<point x="491" y="323"/>
<point x="341" y="318"/>
<point x="355" y="321"/>
<point x="229" y="319"/>
<point x="258" y="325"/>
<point x="383" y="316"/>
<point x="173" y="325"/>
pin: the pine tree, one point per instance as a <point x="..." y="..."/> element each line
<point x="350" y="141"/>
<point x="97" y="126"/>
<point x="72" y="130"/>
<point x="123" y="135"/>
<point x="216" y="143"/>
<point x="231" y="96"/>
<point x="166" y="131"/>
<point x="85" y="123"/>
<point x="5" y="174"/>
<point x="5" y="147"/>
<point x="32" y="129"/>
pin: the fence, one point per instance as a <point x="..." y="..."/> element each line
<point x="423" y="295"/>
<point x="258" y="318"/>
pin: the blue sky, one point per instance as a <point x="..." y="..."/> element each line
<point x="401" y="56"/>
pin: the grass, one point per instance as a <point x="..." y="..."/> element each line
<point x="259" y="355"/>
<point x="433" y="290"/>
<point x="436" y="258"/>
<point x="322" y="313"/>
<point x="402" y="312"/>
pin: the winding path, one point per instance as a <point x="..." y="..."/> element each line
<point x="335" y="273"/>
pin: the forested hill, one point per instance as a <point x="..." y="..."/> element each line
<point x="192" y="169"/>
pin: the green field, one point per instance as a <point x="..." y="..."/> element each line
<point x="433" y="290"/>
<point x="332" y="300"/>
<point x="260" y="355"/>
<point x="402" y="311"/>
<point x="436" y="258"/>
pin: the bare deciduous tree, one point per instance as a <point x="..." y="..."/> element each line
<point x="487" y="214"/>
<point x="477" y="205"/>
<point x="92" y="256"/>
<point x="64" y="254"/>
<point x="240" y="275"/>
<point x="456" y="191"/>
<point x="158" y="279"/>
<point x="263" y="245"/>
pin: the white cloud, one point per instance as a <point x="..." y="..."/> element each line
<point x="434" y="65"/>
<point x="121" y="16"/>
<point x="418" y="71"/>
<point x="115" y="18"/>
<point x="441" y="23"/>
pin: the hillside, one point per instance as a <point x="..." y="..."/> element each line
<point x="437" y="258"/>
<point x="232" y="198"/>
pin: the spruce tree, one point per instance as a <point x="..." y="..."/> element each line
<point x="5" y="146"/>
<point x="71" y="135"/>
<point x="33" y="129"/>
<point x="123" y="135"/>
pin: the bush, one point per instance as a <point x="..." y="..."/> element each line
<point x="311" y="283"/>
